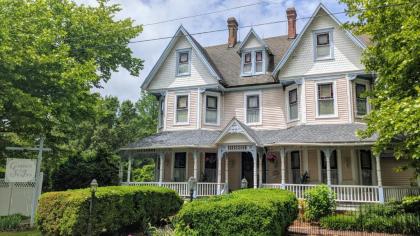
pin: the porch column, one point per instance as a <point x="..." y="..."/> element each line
<point x="379" y="176"/>
<point x="129" y="169"/>
<point x="327" y="153"/>
<point x="226" y="173"/>
<point x="260" y="170"/>
<point x="283" y="168"/>
<point x="161" y="167"/>
<point x="254" y="156"/>
<point x="196" y="154"/>
<point x="219" y="170"/>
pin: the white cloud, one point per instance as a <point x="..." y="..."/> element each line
<point x="125" y="86"/>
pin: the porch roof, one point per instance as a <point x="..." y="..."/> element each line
<point x="326" y="134"/>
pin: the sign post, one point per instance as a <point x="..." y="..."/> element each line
<point x="27" y="170"/>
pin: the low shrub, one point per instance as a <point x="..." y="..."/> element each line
<point x="243" y="212"/>
<point x="320" y="202"/>
<point x="339" y="222"/>
<point x="382" y="218"/>
<point x="411" y="204"/>
<point x="11" y="222"/>
<point x="116" y="209"/>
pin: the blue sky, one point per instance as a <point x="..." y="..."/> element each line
<point x="126" y="87"/>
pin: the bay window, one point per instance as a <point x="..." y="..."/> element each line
<point x="211" y="109"/>
<point x="181" y="109"/>
<point x="361" y="101"/>
<point x="293" y="104"/>
<point x="325" y="99"/>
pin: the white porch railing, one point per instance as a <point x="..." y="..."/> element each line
<point x="356" y="193"/>
<point x="203" y="189"/>
<point x="398" y="193"/>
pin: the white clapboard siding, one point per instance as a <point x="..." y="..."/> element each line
<point x="166" y="75"/>
<point x="346" y="54"/>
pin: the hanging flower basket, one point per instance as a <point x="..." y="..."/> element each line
<point x="271" y="157"/>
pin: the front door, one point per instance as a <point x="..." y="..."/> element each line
<point x="247" y="168"/>
<point x="210" y="168"/>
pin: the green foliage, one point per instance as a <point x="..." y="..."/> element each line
<point x="383" y="218"/>
<point x="11" y="222"/>
<point x="115" y="209"/>
<point x="320" y="201"/>
<point x="393" y="29"/>
<point x="339" y="222"/>
<point x="144" y="174"/>
<point x="411" y="204"/>
<point x="243" y="212"/>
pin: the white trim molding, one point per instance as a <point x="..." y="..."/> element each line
<point x="251" y="93"/>
<point x="334" y="87"/>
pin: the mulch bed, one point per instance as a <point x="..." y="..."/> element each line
<point x="304" y="228"/>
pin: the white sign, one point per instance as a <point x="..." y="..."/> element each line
<point x="20" y="170"/>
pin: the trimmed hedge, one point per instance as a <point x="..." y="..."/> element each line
<point x="411" y="204"/>
<point x="116" y="209"/>
<point x="243" y="212"/>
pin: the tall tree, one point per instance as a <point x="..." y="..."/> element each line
<point x="52" y="53"/>
<point x="394" y="28"/>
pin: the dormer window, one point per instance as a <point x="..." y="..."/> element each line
<point x="323" y="47"/>
<point x="253" y="62"/>
<point x="183" y="65"/>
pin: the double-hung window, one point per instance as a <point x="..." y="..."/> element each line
<point x="161" y="111"/>
<point x="323" y="48"/>
<point x="253" y="62"/>
<point x="183" y="62"/>
<point x="211" y="109"/>
<point x="361" y="101"/>
<point x="326" y="104"/>
<point x="253" y="109"/>
<point x="181" y="109"/>
<point x="293" y="104"/>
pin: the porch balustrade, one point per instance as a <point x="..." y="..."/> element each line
<point x="203" y="189"/>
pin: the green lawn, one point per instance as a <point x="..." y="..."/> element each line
<point x="23" y="233"/>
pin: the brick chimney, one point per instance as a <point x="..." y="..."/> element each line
<point x="291" y="22"/>
<point x="233" y="32"/>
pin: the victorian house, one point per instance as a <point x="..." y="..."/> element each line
<point x="279" y="112"/>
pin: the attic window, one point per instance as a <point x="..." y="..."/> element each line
<point x="323" y="47"/>
<point x="183" y="62"/>
<point x="253" y="62"/>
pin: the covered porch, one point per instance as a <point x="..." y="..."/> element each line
<point x="221" y="161"/>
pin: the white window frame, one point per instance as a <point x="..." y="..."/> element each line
<point x="335" y="115"/>
<point x="367" y="84"/>
<point x="314" y="43"/>
<point x="178" y="52"/>
<point x="175" y="108"/>
<point x="212" y="94"/>
<point x="253" y="61"/>
<point x="246" y="94"/>
<point x="288" y="89"/>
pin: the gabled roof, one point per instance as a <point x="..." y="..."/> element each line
<point x="295" y="43"/>
<point x="252" y="32"/>
<point x="237" y="127"/>
<point x="202" y="54"/>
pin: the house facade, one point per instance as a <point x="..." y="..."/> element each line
<point x="279" y="112"/>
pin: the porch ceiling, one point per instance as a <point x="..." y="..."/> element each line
<point x="331" y="134"/>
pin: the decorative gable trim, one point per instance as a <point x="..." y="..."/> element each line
<point x="180" y="32"/>
<point x="292" y="48"/>
<point x="252" y="32"/>
<point x="235" y="127"/>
